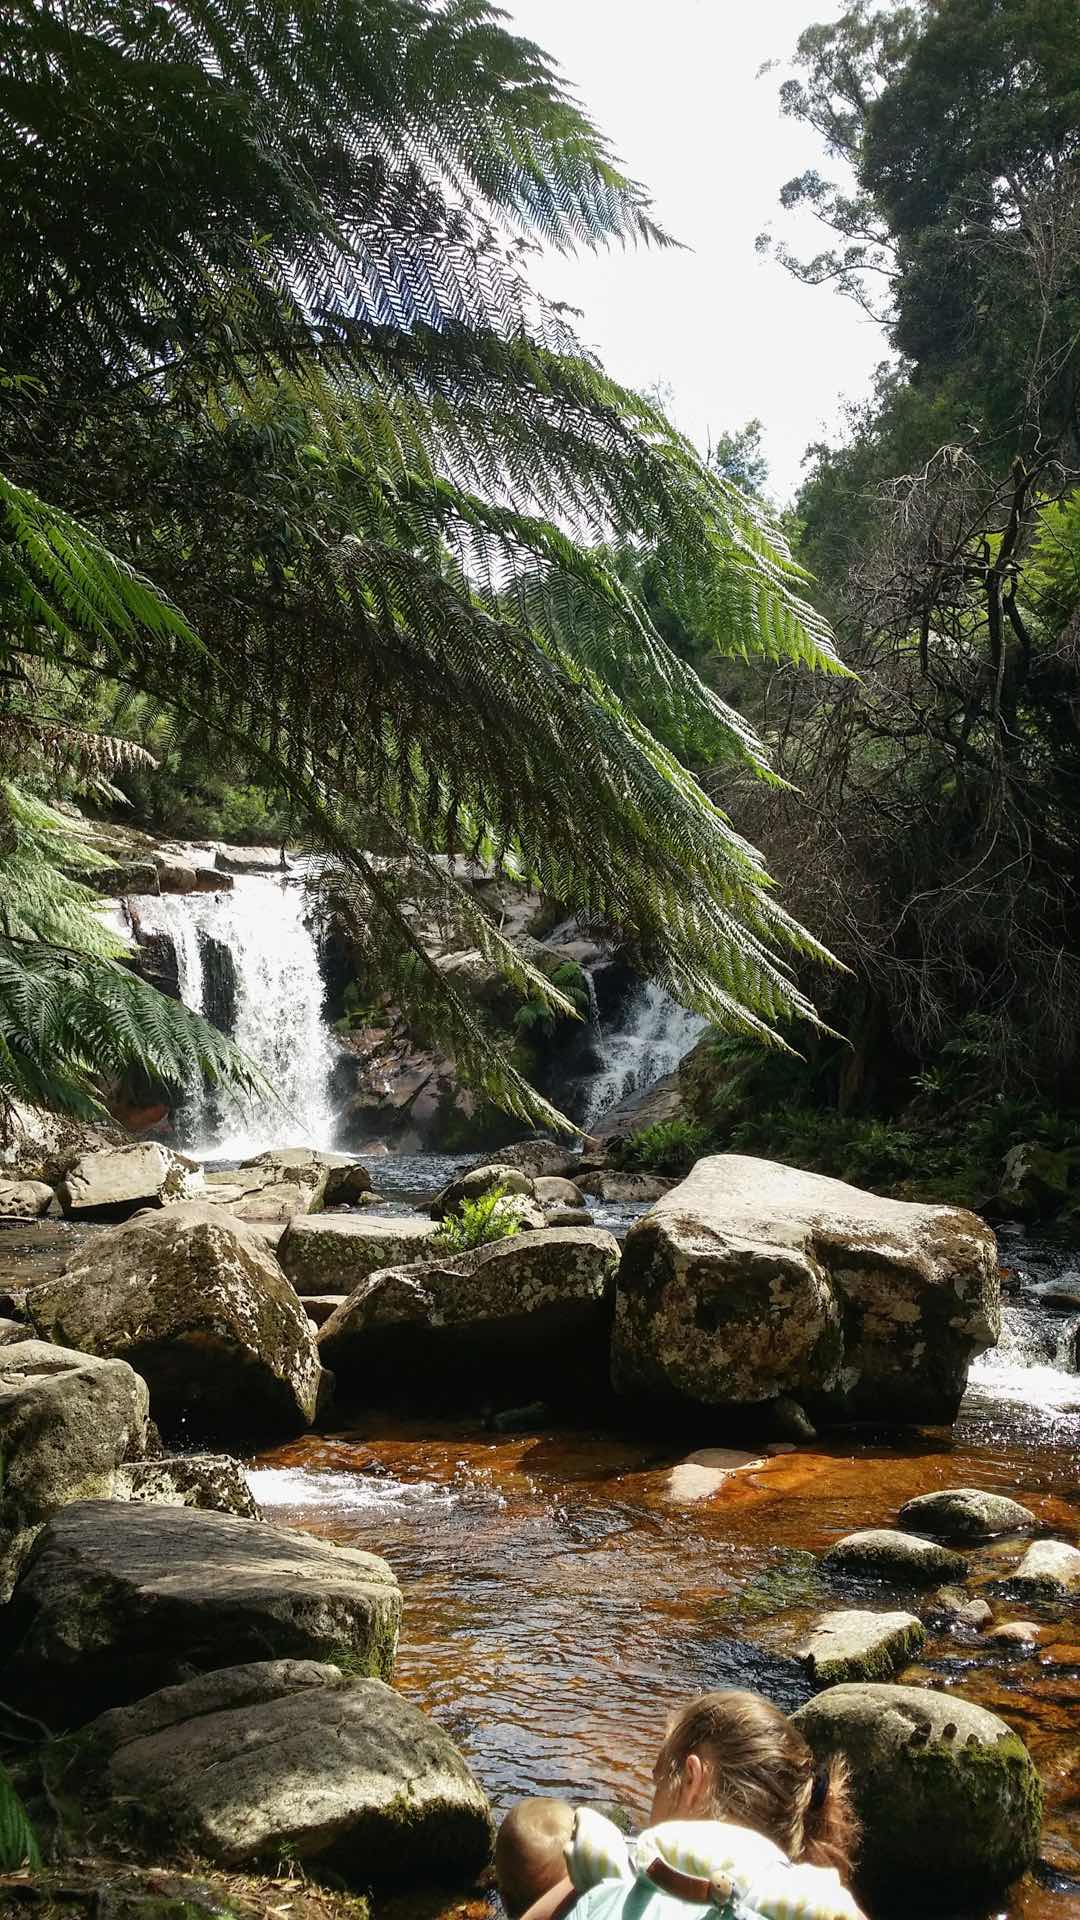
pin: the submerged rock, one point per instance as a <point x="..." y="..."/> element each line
<point x="948" y="1795"/>
<point x="856" y="1645"/>
<point x="878" y="1553"/>
<point x="196" y="1302"/>
<point x="752" y="1280"/>
<point x="288" y="1758"/>
<point x="527" y="1316"/>
<point x="1049" y="1567"/>
<point x="67" y="1421"/>
<point x="114" y="1182"/>
<point x="965" y="1513"/>
<point x="117" y="1599"/>
<point x="334" y="1252"/>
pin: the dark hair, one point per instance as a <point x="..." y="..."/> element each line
<point x="761" y="1773"/>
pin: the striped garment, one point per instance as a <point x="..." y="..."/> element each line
<point x="762" y="1877"/>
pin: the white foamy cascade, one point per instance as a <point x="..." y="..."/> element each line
<point x="279" y="1011"/>
<point x="655" y="1034"/>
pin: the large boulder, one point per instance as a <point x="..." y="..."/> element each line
<point x="965" y="1513"/>
<point x="114" y="1182"/>
<point x="333" y="1252"/>
<point x="752" y="1280"/>
<point x="478" y="1181"/>
<point x="212" y="1481"/>
<point x="948" y="1796"/>
<point x="67" y="1421"/>
<point x="118" y="1599"/>
<point x="626" y="1189"/>
<point x="293" y="1759"/>
<point x="26" y="1199"/>
<point x="537" y="1158"/>
<point x="521" y="1318"/>
<point x="196" y="1302"/>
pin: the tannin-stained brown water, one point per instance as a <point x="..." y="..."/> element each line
<point x="559" y="1602"/>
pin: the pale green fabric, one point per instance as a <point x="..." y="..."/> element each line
<point x="766" y="1883"/>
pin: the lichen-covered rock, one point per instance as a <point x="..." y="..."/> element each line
<point x="752" y="1280"/>
<point x="965" y="1513"/>
<point x="474" y="1184"/>
<point x="333" y="1252"/>
<point x="626" y="1189"/>
<point x="67" y="1421"/>
<point x="1035" y="1180"/>
<point x="118" y="1599"/>
<point x="853" y="1644"/>
<point x="214" y="1482"/>
<point x="948" y="1796"/>
<point x="552" y="1192"/>
<point x="293" y="1759"/>
<point x="25" y="1199"/>
<point x="880" y="1553"/>
<point x="527" y="1316"/>
<point x="1050" y="1568"/>
<point x="198" y="1305"/>
<point x="115" y="1182"/>
<point x="537" y="1158"/>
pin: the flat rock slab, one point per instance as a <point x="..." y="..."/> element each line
<point x="965" y="1513"/>
<point x="879" y="1553"/>
<point x="702" y="1474"/>
<point x="117" y="1600"/>
<point x="948" y="1796"/>
<point x="852" y="1644"/>
<point x="529" y="1316"/>
<point x="292" y="1759"/>
<point x="67" y="1421"/>
<point x="1050" y="1568"/>
<point x="332" y="1253"/>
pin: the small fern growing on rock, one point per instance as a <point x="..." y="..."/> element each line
<point x="479" y="1223"/>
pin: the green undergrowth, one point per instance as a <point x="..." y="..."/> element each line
<point x="479" y="1223"/>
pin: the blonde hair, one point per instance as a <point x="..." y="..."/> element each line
<point x="760" y="1773"/>
<point x="529" y="1858"/>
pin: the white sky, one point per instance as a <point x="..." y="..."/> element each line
<point x="673" y="85"/>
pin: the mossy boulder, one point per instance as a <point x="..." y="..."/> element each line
<point x="948" y="1795"/>
<point x="67" y="1421"/>
<point x="333" y="1252"/>
<point x="287" y="1759"/>
<point x="880" y="1553"/>
<point x="852" y="1644"/>
<point x="752" y="1280"/>
<point x="965" y="1513"/>
<point x="196" y="1302"/>
<point x="119" y="1599"/>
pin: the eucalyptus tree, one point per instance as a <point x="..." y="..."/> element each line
<point x="288" y="444"/>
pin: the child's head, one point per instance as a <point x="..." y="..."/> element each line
<point x="529" y="1858"/>
<point x="733" y="1756"/>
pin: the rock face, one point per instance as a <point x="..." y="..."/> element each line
<point x="520" y="1317"/>
<point x="879" y="1553"/>
<point x="1049" y="1567"/>
<point x="115" y="1182"/>
<point x="290" y="1758"/>
<point x="25" y="1199"/>
<point x="118" y="1599"/>
<point x="66" y="1423"/>
<point x="211" y="1481"/>
<point x="950" y="1801"/>
<point x="965" y="1513"/>
<point x="199" y="1306"/>
<point x="751" y="1280"/>
<point x="854" y="1645"/>
<point x="333" y="1252"/>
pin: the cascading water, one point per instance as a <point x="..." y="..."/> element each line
<point x="275" y="989"/>
<point x="654" y="1036"/>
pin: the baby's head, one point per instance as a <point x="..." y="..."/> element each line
<point x="529" y="1857"/>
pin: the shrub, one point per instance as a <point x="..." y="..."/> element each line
<point x="479" y="1223"/>
<point x="671" y="1146"/>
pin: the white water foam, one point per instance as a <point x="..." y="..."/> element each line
<point x="280" y="1487"/>
<point x="655" y="1035"/>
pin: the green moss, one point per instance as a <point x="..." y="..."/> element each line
<point x="971" y="1818"/>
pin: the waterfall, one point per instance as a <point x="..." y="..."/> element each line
<point x="652" y="1038"/>
<point x="275" y="997"/>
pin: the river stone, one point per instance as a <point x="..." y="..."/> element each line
<point x="474" y="1184"/>
<point x="175" y="875"/>
<point x="555" y="1193"/>
<point x="537" y="1158"/>
<point x="879" y="1553"/>
<point x="211" y="1481"/>
<point x="625" y="1189"/>
<point x="1050" y="1568"/>
<point x="959" y="1609"/>
<point x="965" y="1513"/>
<point x="751" y="1280"/>
<point x="288" y="1759"/>
<point x="704" y="1473"/>
<point x="114" y="1182"/>
<point x="568" y="1216"/>
<point x="25" y="1199"/>
<point x="855" y="1645"/>
<point x="199" y="1306"/>
<point x="526" y="1317"/>
<point x="948" y="1796"/>
<point x="348" y="1186"/>
<point x="67" y="1420"/>
<point x="118" y="1599"/>
<point x="250" y="860"/>
<point x="334" y="1252"/>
